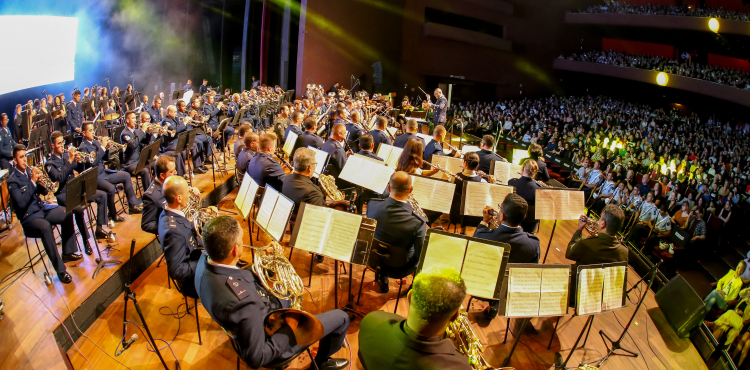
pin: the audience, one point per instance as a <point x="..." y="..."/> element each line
<point x="674" y="10"/>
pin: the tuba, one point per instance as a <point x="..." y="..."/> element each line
<point x="467" y="342"/>
<point x="197" y="215"/>
<point x="277" y="275"/>
<point x="45" y="180"/>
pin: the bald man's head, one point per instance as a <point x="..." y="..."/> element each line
<point x="400" y="185"/>
<point x="176" y="192"/>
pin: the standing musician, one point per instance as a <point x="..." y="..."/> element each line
<point x="108" y="179"/>
<point x="535" y="153"/>
<point x="75" y="116"/>
<point x="18" y="124"/>
<point x="38" y="217"/>
<point x="263" y="168"/>
<point x="487" y="155"/>
<point x="61" y="168"/>
<point x="188" y="85"/>
<point x="204" y="143"/>
<point x="178" y="237"/>
<point x="411" y="133"/>
<point x="239" y="303"/>
<point x="388" y="341"/>
<point x="136" y="140"/>
<point x="169" y="143"/>
<point x="6" y="143"/>
<point x="179" y="161"/>
<point x="239" y="144"/>
<point x="335" y="148"/>
<point x="213" y="122"/>
<point x="203" y="88"/>
<point x="153" y="199"/>
<point x="298" y="186"/>
<point x="249" y="151"/>
<point x="440" y="107"/>
<point x="309" y="137"/>
<point x="606" y="192"/>
<point x="603" y="248"/>
<point x="398" y="225"/>
<point x="156" y="112"/>
<point x="524" y="246"/>
<point x="379" y="135"/>
<point x="526" y="188"/>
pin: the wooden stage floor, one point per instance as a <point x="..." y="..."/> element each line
<point x="650" y="334"/>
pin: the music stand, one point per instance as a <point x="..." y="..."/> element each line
<point x="78" y="192"/>
<point x="147" y="153"/>
<point x="38" y="138"/>
<point x="178" y="94"/>
<point x="185" y="140"/>
<point x="26" y="124"/>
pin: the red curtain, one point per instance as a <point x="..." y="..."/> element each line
<point x="724" y="61"/>
<point x="638" y="47"/>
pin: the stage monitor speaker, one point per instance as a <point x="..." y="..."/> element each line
<point x="682" y="307"/>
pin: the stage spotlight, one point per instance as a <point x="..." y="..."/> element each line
<point x="713" y="25"/>
<point x="662" y="79"/>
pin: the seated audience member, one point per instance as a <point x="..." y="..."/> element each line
<point x="726" y="291"/>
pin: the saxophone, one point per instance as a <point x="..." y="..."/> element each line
<point x="467" y="342"/>
<point x="45" y="180"/>
<point x="328" y="183"/>
<point x="195" y="213"/>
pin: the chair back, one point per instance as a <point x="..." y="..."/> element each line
<point x="384" y="254"/>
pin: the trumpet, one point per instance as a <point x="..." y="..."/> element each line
<point x="158" y="130"/>
<point x="111" y="145"/>
<point x="81" y="156"/>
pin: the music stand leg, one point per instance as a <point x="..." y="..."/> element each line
<point x="524" y="322"/>
<point x="312" y="260"/>
<point x="572" y="349"/>
<point x="587" y="333"/>
<point x="100" y="262"/>
<point x="335" y="283"/>
<point x="553" y="332"/>
<point x="190" y="166"/>
<point x="550" y="242"/>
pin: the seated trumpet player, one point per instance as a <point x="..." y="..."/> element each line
<point x="179" y="161"/>
<point x="604" y="194"/>
<point x="169" y="143"/>
<point x="108" y="179"/>
<point x="37" y="218"/>
<point x="239" y="302"/>
<point x="61" y="168"/>
<point x="178" y="237"/>
<point x="505" y="227"/>
<point x="135" y="139"/>
<point x="390" y="342"/>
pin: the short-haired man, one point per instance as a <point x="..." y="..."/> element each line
<point x="411" y="133"/>
<point x="295" y="123"/>
<point x="75" y="112"/>
<point x="108" y="179"/>
<point x="249" y="150"/>
<point x="604" y="195"/>
<point x="203" y="88"/>
<point x="169" y="143"/>
<point x="536" y="153"/>
<point x="335" y="149"/>
<point x="156" y="112"/>
<point x="435" y="146"/>
<point x="203" y="143"/>
<point x="298" y="186"/>
<point x="379" y="134"/>
<point x="136" y="140"/>
<point x="440" y="107"/>
<point x="37" y="218"/>
<point x="153" y="198"/>
<point x="524" y="246"/>
<point x="398" y="225"/>
<point x="603" y="248"/>
<point x="178" y="236"/>
<point x="213" y="122"/>
<point x="353" y="128"/>
<point x="487" y="155"/>
<point x="309" y="137"/>
<point x="239" y="303"/>
<point x="239" y="144"/>
<point x="263" y="168"/>
<point x="389" y="341"/>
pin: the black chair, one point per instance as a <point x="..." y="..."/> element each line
<point x="383" y="254"/>
<point x="40" y="253"/>
<point x="187" y="305"/>
<point x="277" y="365"/>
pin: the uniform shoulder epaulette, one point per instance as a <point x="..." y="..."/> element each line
<point x="172" y="222"/>
<point x="240" y="291"/>
<point x="420" y="217"/>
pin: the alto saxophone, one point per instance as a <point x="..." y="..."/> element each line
<point x="467" y="342"/>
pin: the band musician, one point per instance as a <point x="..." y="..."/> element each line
<point x="379" y="135"/>
<point x="411" y="133"/>
<point x="222" y="138"/>
<point x="309" y="137"/>
<point x="335" y="148"/>
<point x="169" y="143"/>
<point x="487" y="154"/>
<point x="153" y="199"/>
<point x="135" y="139"/>
<point x="263" y="168"/>
<point x="6" y="143"/>
<point x="249" y="150"/>
<point x="239" y="303"/>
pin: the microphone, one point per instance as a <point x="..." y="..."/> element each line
<point x="128" y="343"/>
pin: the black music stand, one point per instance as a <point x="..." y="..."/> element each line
<point x="79" y="190"/>
<point x="178" y="94"/>
<point x="26" y="124"/>
<point x="147" y="154"/>
<point x="130" y="295"/>
<point x="185" y="141"/>
<point x="261" y="116"/>
<point x="39" y="138"/>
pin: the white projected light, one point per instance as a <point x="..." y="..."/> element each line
<point x="31" y="65"/>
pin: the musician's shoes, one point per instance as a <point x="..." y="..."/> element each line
<point x="135" y="209"/>
<point x="64" y="277"/>
<point x="72" y="257"/>
<point x="319" y="258"/>
<point x="332" y="364"/>
<point x="87" y="248"/>
<point x="199" y="171"/>
<point x="204" y="168"/>
<point x="117" y="218"/>
<point x="383" y="284"/>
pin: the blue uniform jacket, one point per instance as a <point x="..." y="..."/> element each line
<point x="135" y="140"/>
<point x="60" y="170"/>
<point x="292" y="128"/>
<point x="213" y="115"/>
<point x="485" y="160"/>
<point x="178" y="240"/>
<point x="170" y="142"/>
<point x="75" y="115"/>
<point x="401" y="140"/>
<point x="401" y="227"/>
<point x="101" y="154"/>
<point x="156" y="116"/>
<point x="379" y="136"/>
<point x="153" y="206"/>
<point x="6" y="143"/>
<point x="433" y="148"/>
<point x="25" y="196"/>
<point x="309" y="138"/>
<point x="524" y="247"/>
<point x="243" y="160"/>
<point x="338" y="156"/>
<point x="264" y="169"/>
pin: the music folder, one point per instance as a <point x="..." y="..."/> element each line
<point x="559" y="204"/>
<point x="601" y="287"/>
<point x="433" y="194"/>
<point x="291" y="140"/>
<point x="246" y="196"/>
<point x="504" y="171"/>
<point x="336" y="234"/>
<point x="367" y="172"/>
<point x="321" y="160"/>
<point x="534" y="290"/>
<point x="274" y="213"/>
<point x="390" y="154"/>
<point x="481" y="262"/>
<point x="477" y="195"/>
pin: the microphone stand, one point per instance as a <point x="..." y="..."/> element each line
<point x="130" y="295"/>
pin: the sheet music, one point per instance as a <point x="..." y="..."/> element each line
<point x="249" y="200"/>
<point x="481" y="268"/>
<point x="342" y="236"/>
<point x="442" y="161"/>
<point x="505" y="171"/>
<point x="320" y="159"/>
<point x="366" y="172"/>
<point x="554" y="298"/>
<point x="280" y="217"/>
<point x="443" y="250"/>
<point x="239" y="200"/>
<point x="590" y="291"/>
<point x="266" y="207"/>
<point x="390" y="154"/>
<point x="497" y="194"/>
<point x="477" y="197"/>
<point x="291" y="139"/>
<point x="559" y="204"/>
<point x="442" y="196"/>
<point x="523" y="292"/>
<point x="614" y="280"/>
<point x="314" y="226"/>
<point x="422" y="191"/>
